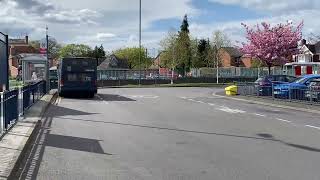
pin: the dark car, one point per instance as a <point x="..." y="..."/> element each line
<point x="313" y="91"/>
<point x="264" y="84"/>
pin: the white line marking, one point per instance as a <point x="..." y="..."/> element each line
<point x="283" y="120"/>
<point x="315" y="127"/>
<point x="261" y="115"/>
<point x="200" y="102"/>
<point x="192" y="100"/>
<point x="211" y="104"/>
<point x="229" y="110"/>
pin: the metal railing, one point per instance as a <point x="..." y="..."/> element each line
<point x="15" y="102"/>
<point x="300" y="94"/>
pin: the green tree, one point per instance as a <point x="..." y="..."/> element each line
<point x="183" y="49"/>
<point x="98" y="53"/>
<point x="131" y="54"/>
<point x="75" y="50"/>
<point x="202" y="49"/>
<point x="168" y="56"/>
<point x="219" y="40"/>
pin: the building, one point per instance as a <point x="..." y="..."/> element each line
<point x="232" y="57"/>
<point x="16" y="47"/>
<point x="113" y="68"/>
<point x="307" y="61"/>
<point x="113" y="62"/>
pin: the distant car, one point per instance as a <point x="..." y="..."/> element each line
<point x="313" y="91"/>
<point x="265" y="84"/>
<point x="296" y="89"/>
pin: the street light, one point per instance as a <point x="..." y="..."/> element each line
<point x="139" y="42"/>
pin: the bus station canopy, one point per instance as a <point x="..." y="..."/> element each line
<point x="34" y="67"/>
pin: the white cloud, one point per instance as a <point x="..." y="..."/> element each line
<point x="108" y="22"/>
<point x="236" y="32"/>
<point x="275" y="6"/>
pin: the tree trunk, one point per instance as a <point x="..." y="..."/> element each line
<point x="269" y="68"/>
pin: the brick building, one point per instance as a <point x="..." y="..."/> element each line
<point x="232" y="57"/>
<point x="16" y="47"/>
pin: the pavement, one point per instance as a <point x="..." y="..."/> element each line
<point x="173" y="134"/>
<point x="14" y="143"/>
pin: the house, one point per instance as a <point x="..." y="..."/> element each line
<point x="156" y="63"/>
<point x="16" y="47"/>
<point x="307" y="61"/>
<point x="232" y="57"/>
<point x="113" y="62"/>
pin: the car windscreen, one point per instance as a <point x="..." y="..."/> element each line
<point x="300" y="80"/>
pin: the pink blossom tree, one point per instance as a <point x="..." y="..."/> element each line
<point x="272" y="45"/>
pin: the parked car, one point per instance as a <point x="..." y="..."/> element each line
<point x="265" y="84"/>
<point x="296" y="89"/>
<point x="313" y="91"/>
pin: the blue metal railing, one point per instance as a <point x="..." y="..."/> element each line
<point x="14" y="103"/>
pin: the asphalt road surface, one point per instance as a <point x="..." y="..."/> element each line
<point x="173" y="134"/>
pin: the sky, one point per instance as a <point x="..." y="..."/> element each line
<point x="115" y="23"/>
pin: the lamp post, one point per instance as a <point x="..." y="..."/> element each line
<point x="139" y="42"/>
<point x="47" y="66"/>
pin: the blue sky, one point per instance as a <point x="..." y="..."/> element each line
<point x="114" y="23"/>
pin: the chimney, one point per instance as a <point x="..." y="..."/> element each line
<point x="27" y="39"/>
<point x="303" y="42"/>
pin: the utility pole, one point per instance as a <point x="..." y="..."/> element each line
<point x="48" y="62"/>
<point x="7" y="60"/>
<point x="139" y="42"/>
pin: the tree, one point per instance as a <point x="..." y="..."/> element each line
<point x="219" y="40"/>
<point x="272" y="45"/>
<point x="168" y="56"/>
<point x="98" y="53"/>
<point x="201" y="54"/>
<point x="131" y="54"/>
<point x="75" y="50"/>
<point x="183" y="47"/>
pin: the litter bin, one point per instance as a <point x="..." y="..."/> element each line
<point x="231" y="90"/>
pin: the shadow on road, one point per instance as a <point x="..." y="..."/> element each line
<point x="74" y="143"/>
<point x="114" y="97"/>
<point x="261" y="136"/>
<point x="58" y="111"/>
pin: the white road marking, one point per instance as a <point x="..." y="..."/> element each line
<point x="201" y="102"/>
<point x="105" y="102"/>
<point x="211" y="104"/>
<point x="283" y="120"/>
<point x="143" y="96"/>
<point x="261" y="115"/>
<point x="229" y="110"/>
<point x="314" y="127"/>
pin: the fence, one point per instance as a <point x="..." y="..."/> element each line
<point x="309" y="95"/>
<point x="231" y="72"/>
<point x="14" y="103"/>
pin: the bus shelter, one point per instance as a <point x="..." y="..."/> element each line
<point x="34" y="67"/>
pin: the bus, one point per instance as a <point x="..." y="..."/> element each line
<point x="77" y="75"/>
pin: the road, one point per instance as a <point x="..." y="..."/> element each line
<point x="173" y="134"/>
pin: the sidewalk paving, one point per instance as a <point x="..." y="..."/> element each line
<point x="13" y="144"/>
